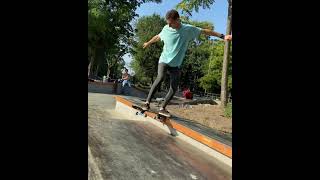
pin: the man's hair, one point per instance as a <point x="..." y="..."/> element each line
<point x="172" y="14"/>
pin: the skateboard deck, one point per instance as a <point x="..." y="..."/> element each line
<point x="141" y="112"/>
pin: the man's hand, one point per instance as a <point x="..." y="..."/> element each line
<point x="145" y="45"/>
<point x="228" y="37"/>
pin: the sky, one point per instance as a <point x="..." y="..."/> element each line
<point x="217" y="14"/>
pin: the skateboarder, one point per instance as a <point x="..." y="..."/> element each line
<point x="176" y="37"/>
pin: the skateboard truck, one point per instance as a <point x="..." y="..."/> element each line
<point x="140" y="110"/>
<point x="141" y="113"/>
<point x="161" y="118"/>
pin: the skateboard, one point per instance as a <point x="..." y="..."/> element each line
<point x="141" y="111"/>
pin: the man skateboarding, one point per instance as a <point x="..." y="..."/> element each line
<point x="176" y="37"/>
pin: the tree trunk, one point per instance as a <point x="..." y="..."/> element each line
<point x="108" y="72"/>
<point x="99" y="57"/>
<point x="226" y="55"/>
<point x="90" y="66"/>
<point x="97" y="70"/>
<point x="108" y="69"/>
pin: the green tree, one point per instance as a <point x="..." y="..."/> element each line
<point x="187" y="6"/>
<point x="196" y="57"/>
<point x="211" y="81"/>
<point x="145" y="61"/>
<point x="109" y="30"/>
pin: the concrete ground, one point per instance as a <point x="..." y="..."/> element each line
<point x="121" y="148"/>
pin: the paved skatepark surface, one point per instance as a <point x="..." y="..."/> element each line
<point x="122" y="148"/>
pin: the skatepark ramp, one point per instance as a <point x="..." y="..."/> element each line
<point x="122" y="145"/>
<point x="210" y="146"/>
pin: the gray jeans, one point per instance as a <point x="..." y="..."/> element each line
<point x="175" y="73"/>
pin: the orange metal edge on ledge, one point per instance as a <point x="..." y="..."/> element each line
<point x="212" y="143"/>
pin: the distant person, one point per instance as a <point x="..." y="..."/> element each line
<point x="125" y="78"/>
<point x="176" y="37"/>
<point x="187" y="93"/>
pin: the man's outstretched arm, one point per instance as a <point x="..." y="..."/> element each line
<point x="212" y="33"/>
<point x="155" y="38"/>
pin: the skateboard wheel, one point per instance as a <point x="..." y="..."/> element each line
<point x="145" y="115"/>
<point x="137" y="113"/>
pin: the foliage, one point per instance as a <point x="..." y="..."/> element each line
<point x="187" y="6"/>
<point x="109" y="29"/>
<point x="145" y="61"/>
<point x="211" y="81"/>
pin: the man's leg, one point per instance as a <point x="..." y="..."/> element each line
<point x="174" y="82"/>
<point x="162" y="70"/>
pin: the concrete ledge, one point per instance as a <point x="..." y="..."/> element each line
<point x="102" y="83"/>
<point x="210" y="146"/>
<point x="101" y="87"/>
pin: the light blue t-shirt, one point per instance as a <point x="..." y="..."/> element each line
<point x="176" y="43"/>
